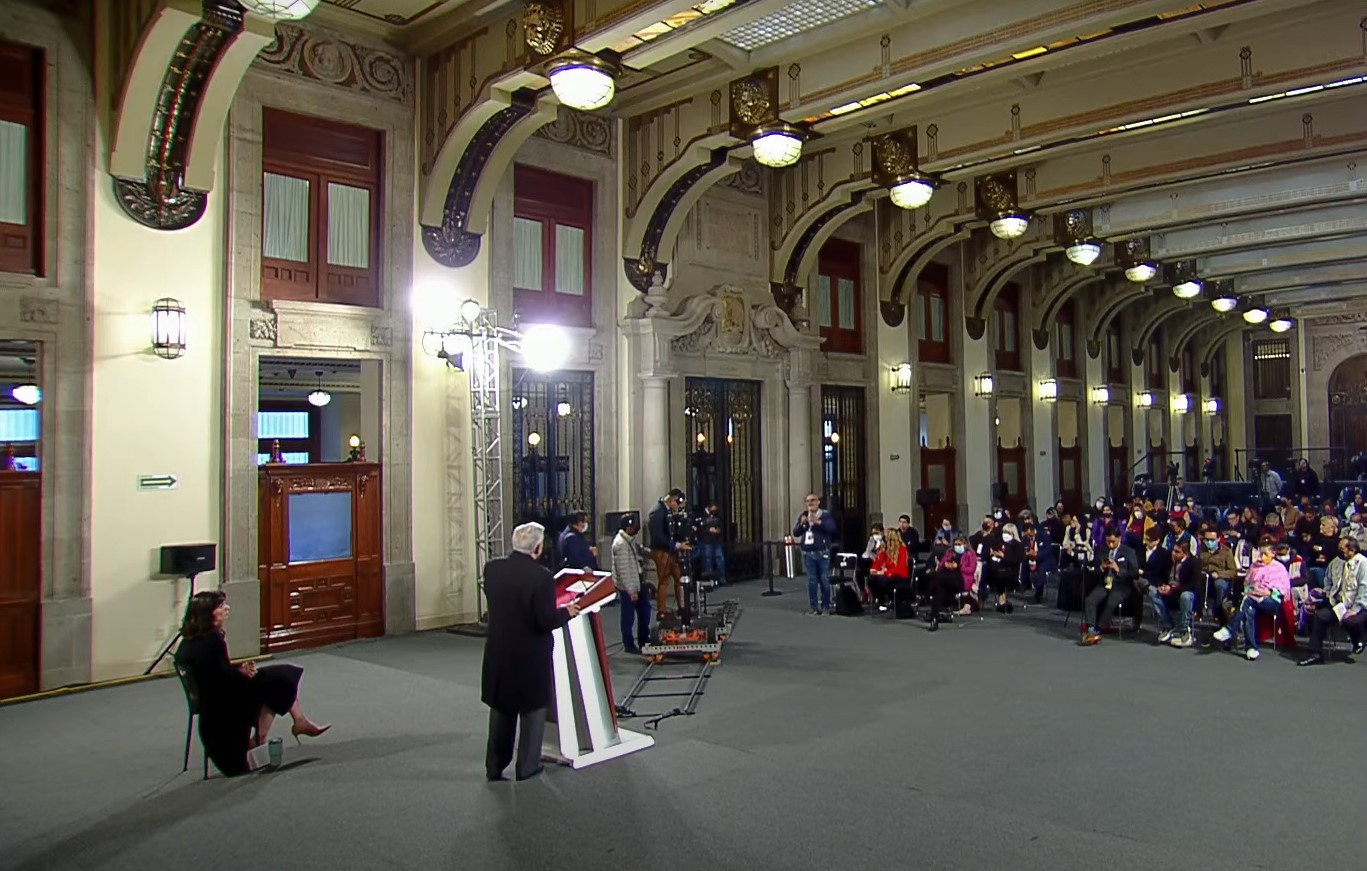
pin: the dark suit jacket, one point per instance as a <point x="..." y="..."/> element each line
<point x="1157" y="567"/>
<point x="1186" y="578"/>
<point x="517" y="650"/>
<point x="574" y="551"/>
<point x="1126" y="560"/>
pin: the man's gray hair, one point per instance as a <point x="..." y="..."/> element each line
<point x="528" y="537"/>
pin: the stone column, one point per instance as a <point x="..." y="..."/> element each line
<point x="655" y="436"/>
<point x="799" y="423"/>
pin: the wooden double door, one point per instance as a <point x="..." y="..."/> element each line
<point x="939" y="472"/>
<point x="320" y="552"/>
<point x="21" y="579"/>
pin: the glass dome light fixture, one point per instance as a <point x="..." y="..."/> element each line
<point x="1141" y="272"/>
<point x="1277" y="325"/>
<point x="280" y="10"/>
<point x="319" y="397"/>
<point x="1189" y="289"/>
<point x="582" y="81"/>
<point x="912" y="192"/>
<point x="28" y="394"/>
<point x="1224" y="304"/>
<point x="778" y="144"/>
<point x="1083" y="253"/>
<point x="1010" y="225"/>
<point x="1256" y="315"/>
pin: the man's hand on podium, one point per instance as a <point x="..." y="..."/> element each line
<point x="573" y="608"/>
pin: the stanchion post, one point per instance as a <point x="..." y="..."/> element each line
<point x="771" y="555"/>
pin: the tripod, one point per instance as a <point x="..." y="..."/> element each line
<point x="174" y="641"/>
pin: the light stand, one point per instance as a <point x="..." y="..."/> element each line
<point x="172" y="643"/>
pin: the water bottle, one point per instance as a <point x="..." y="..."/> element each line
<point x="276" y="750"/>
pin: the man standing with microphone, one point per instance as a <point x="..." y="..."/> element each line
<point x="813" y="531"/>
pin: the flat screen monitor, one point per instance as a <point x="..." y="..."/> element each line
<point x="320" y="526"/>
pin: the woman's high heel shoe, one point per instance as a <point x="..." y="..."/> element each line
<point x="310" y="731"/>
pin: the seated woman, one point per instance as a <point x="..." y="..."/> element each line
<point x="1003" y="570"/>
<point x="954" y="576"/>
<point x="1266" y="587"/>
<point x="889" y="567"/>
<point x="1273" y="528"/>
<point x="235" y="700"/>
<point x="1320" y="549"/>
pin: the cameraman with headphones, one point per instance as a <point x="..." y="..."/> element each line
<point x="665" y="548"/>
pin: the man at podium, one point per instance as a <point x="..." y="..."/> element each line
<point x="517" y="676"/>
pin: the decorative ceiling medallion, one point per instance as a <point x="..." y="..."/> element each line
<point x="1072" y="225"/>
<point x="543" y="24"/>
<point x="996" y="194"/>
<point x="754" y="101"/>
<point x="893" y="155"/>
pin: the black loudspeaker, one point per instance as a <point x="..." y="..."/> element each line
<point x="927" y="498"/>
<point x="999" y="491"/>
<point x="612" y="521"/>
<point x="188" y="560"/>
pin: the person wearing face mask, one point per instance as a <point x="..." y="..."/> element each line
<point x="1120" y="567"/>
<point x="1272" y="528"/>
<point x="1178" y="591"/>
<point x="945" y="534"/>
<point x="954" y="576"/>
<point x="1218" y="564"/>
<point x="1344" y="602"/>
<point x="982" y="540"/>
<point x="867" y="557"/>
<point x="1137" y="527"/>
<point x="1267" y="586"/>
<point x="1102" y="525"/>
<point x="1041" y="552"/>
<point x="1004" y="563"/>
<point x="1356" y="530"/>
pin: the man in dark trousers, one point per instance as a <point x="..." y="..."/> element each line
<point x="517" y="677"/>
<point x="1120" y="567"/>
<point x="575" y="550"/>
<point x="664" y="550"/>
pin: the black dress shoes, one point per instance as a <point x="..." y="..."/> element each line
<point x="531" y="774"/>
<point x="493" y="778"/>
<point x="1359" y="647"/>
<point x="1313" y="660"/>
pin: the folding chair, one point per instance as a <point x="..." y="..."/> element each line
<point x="187" y="683"/>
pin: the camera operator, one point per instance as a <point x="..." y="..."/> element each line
<point x="665" y="548"/>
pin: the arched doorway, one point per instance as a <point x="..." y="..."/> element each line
<point x="1348" y="413"/>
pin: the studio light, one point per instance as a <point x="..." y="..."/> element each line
<point x="912" y="193"/>
<point x="168" y="328"/>
<point x="1255" y="315"/>
<point x="1010" y="226"/>
<point x="470" y="310"/>
<point x="1187" y="289"/>
<point x="777" y="147"/>
<point x="583" y="81"/>
<point x="1277" y="325"/>
<point x="901" y="378"/>
<point x="1141" y="272"/>
<point x="1224" y="304"/>
<point x="1083" y="253"/>
<point x="545" y="347"/>
<point x="28" y="394"/>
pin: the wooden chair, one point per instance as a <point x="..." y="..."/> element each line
<point x="187" y="683"/>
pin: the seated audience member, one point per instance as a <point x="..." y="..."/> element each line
<point x="1217" y="561"/>
<point x="1041" y="554"/>
<point x="1178" y="591"/>
<point x="911" y="539"/>
<point x="1076" y="549"/>
<point x="983" y="540"/>
<point x="1306" y="525"/>
<point x="867" y="557"/>
<point x="1103" y="525"/>
<point x="1319" y="549"/>
<point x="1265" y="588"/>
<point x="1156" y="568"/>
<point x="1178" y="532"/>
<point x="955" y="576"/>
<point x="1003" y="567"/>
<point x="234" y="701"/>
<point x="1120" y="567"/>
<point x="889" y="567"/>
<point x="1357" y="506"/>
<point x="1355" y="530"/>
<point x="944" y="538"/>
<point x="1344" y="602"/>
<point x="1053" y="522"/>
<point x="1250" y="524"/>
<point x="1139" y="524"/>
<point x="1273" y="529"/>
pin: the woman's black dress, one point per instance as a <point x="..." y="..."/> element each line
<point x="230" y="702"/>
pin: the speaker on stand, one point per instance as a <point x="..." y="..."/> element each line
<point x="184" y="561"/>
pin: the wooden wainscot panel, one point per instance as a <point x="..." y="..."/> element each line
<point x="21" y="573"/>
<point x="320" y="554"/>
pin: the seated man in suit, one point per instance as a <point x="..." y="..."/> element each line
<point x="1120" y="568"/>
<point x="1178" y="591"/>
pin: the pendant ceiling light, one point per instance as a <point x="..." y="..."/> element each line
<point x="280" y="10"/>
<point x="1010" y="226"/>
<point x="1280" y="325"/>
<point x="1141" y="272"/>
<point x="583" y="81"/>
<point x="912" y="193"/>
<point x="1224" y="304"/>
<point x="1083" y="253"/>
<point x="1187" y="289"/>
<point x="1255" y="315"/>
<point x="778" y="146"/>
<point x="319" y="397"/>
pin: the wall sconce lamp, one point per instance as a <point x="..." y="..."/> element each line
<point x="533" y="438"/>
<point x="983" y="384"/>
<point x="1181" y="403"/>
<point x="1145" y="399"/>
<point x="1211" y="406"/>
<point x="1101" y="395"/>
<point x="1048" y="390"/>
<point x="357" y="446"/>
<point x="168" y="328"/>
<point x="901" y="378"/>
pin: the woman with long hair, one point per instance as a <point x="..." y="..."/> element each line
<point x="954" y="577"/>
<point x="1004" y="565"/>
<point x="889" y="566"/>
<point x="235" y="701"/>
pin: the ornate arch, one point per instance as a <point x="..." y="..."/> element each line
<point x="991" y="285"/>
<point x="1059" y="287"/>
<point x="939" y="235"/>
<point x="1188" y="331"/>
<point x="1151" y="323"/>
<point x="1206" y="350"/>
<point x="793" y="258"/>
<point x="989" y="259"/>
<point x="1102" y="315"/>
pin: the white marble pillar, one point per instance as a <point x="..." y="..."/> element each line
<point x="1097" y="441"/>
<point x="799" y="439"/>
<point x="655" y="436"/>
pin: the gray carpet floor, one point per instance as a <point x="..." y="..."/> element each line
<point x="821" y="743"/>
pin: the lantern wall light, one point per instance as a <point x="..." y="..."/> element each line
<point x="983" y="384"/>
<point x="902" y="377"/>
<point x="1145" y="399"/>
<point x="1181" y="403"/>
<point x="1101" y="395"/>
<point x="1048" y="390"/>
<point x="168" y="328"/>
<point x="1211" y="406"/>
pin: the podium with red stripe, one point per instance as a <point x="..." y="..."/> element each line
<point x="581" y="725"/>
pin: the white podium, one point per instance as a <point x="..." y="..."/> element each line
<point x="581" y="725"/>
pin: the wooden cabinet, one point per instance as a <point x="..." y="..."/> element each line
<point x="21" y="581"/>
<point x="320" y="554"/>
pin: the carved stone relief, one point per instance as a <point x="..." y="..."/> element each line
<point x="582" y="130"/>
<point x="333" y="60"/>
<point x="728" y="328"/>
<point x="1332" y="345"/>
<point x="36" y="310"/>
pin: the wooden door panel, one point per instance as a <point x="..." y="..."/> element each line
<point x="1118" y="459"/>
<point x="1070" y="476"/>
<point x="938" y="472"/>
<point x="21" y="594"/>
<point x="1011" y="470"/>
